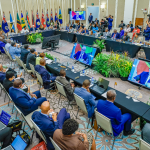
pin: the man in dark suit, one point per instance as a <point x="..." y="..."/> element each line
<point x="122" y="24"/>
<point x="110" y="20"/>
<point x="119" y="122"/>
<point x="130" y="24"/>
<point x="84" y="92"/>
<point x="26" y="102"/>
<point x="85" y="31"/>
<point x="90" y="27"/>
<point x="31" y="58"/>
<point x="56" y="26"/>
<point x="125" y="37"/>
<point x="115" y="35"/>
<point x="69" y="87"/>
<point x="46" y="76"/>
<point x="48" y="121"/>
<point x="24" y="53"/>
<point x="90" y="19"/>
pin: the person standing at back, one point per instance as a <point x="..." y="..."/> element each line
<point x="31" y="58"/>
<point x="90" y="18"/>
<point x="110" y="20"/>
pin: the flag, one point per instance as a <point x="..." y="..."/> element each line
<point x="18" y="23"/>
<point x="27" y="19"/>
<point x="56" y="18"/>
<point x="22" y="21"/>
<point x="37" y="20"/>
<point x="0" y="26"/>
<point x="43" y="20"/>
<point x="11" y="23"/>
<point x="4" y="24"/>
<point x="47" y="20"/>
<point x="51" y="15"/>
<point x="60" y="16"/>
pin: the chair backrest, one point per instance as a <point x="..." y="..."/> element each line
<point x="32" y="68"/>
<point x="60" y="88"/>
<point x="23" y="65"/>
<point x="80" y="102"/>
<point x="9" y="56"/>
<point x="54" y="144"/>
<point x="143" y="145"/>
<point x="1" y="86"/>
<point x="103" y="122"/>
<point x="39" y="77"/>
<point x="18" y="61"/>
<point x="18" y="109"/>
<point x="39" y="131"/>
<point x="6" y="52"/>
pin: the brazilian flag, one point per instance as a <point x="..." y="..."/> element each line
<point x="60" y="16"/>
<point x="22" y="21"/>
<point x="0" y="27"/>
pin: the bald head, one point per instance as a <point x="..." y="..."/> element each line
<point x="45" y="107"/>
<point x="17" y="83"/>
<point x="111" y="95"/>
<point x="42" y="62"/>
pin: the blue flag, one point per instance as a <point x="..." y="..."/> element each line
<point x="37" y="21"/>
<point x="60" y="16"/>
<point x="56" y="18"/>
<point x="5" y="25"/>
<point x="47" y="20"/>
<point x="11" y="23"/>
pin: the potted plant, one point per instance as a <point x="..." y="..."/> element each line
<point x="49" y="56"/>
<point x="100" y="44"/>
<point x="35" y="38"/>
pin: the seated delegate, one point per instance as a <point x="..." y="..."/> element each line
<point x="48" y="121"/>
<point x="136" y="38"/>
<point x="8" y="44"/>
<point x="24" y="53"/>
<point x="106" y="33"/>
<point x="119" y="122"/>
<point x="84" y="92"/>
<point x="41" y="56"/>
<point x="46" y="76"/>
<point x="121" y="32"/>
<point x="95" y="28"/>
<point x="72" y="140"/>
<point x="24" y="30"/>
<point x="115" y="35"/>
<point x="14" y="50"/>
<point x="31" y="58"/>
<point x="85" y="31"/>
<point x="147" y="32"/>
<point x="69" y="87"/>
<point x="125" y="37"/>
<point x="26" y="102"/>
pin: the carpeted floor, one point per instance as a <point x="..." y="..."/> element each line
<point x="104" y="140"/>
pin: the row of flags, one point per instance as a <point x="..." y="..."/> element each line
<point x="37" y="23"/>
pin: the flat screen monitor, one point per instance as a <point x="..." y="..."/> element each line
<point x="83" y="53"/>
<point x="77" y="15"/>
<point x="140" y="73"/>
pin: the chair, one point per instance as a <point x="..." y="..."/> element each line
<point x="81" y="105"/>
<point x="41" y="82"/>
<point x="25" y="69"/>
<point x="39" y="131"/>
<point x="32" y="68"/>
<point x="26" y="118"/>
<point x="143" y="145"/>
<point x="2" y="88"/>
<point x="18" y="61"/>
<point x="12" y="60"/>
<point x="104" y="123"/>
<point x="54" y="144"/>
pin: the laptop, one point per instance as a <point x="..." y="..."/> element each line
<point x="101" y="86"/>
<point x="4" y="119"/>
<point x="17" y="144"/>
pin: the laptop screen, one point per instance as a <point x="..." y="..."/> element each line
<point x="103" y="83"/>
<point x="19" y="143"/>
<point x="5" y="117"/>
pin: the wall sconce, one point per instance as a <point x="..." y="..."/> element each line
<point x="103" y="7"/>
<point x="82" y="6"/>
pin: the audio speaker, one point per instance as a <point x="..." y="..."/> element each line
<point x="69" y="9"/>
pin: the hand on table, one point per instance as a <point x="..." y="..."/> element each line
<point x="54" y="116"/>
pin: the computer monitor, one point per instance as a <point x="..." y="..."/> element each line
<point x="19" y="143"/>
<point x="103" y="83"/>
<point x="140" y="73"/>
<point x="77" y="15"/>
<point x="83" y="53"/>
<point x="5" y="117"/>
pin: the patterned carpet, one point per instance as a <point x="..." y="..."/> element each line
<point x="103" y="141"/>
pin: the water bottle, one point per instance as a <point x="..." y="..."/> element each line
<point x="55" y="60"/>
<point x="17" y="41"/>
<point x="72" y="68"/>
<point x="144" y="43"/>
<point x="83" y="72"/>
<point x="92" y="81"/>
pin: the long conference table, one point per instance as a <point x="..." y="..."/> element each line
<point x="111" y="45"/>
<point x="127" y="104"/>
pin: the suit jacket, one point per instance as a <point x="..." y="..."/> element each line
<point x="90" y="28"/>
<point x="31" y="58"/>
<point x="69" y="143"/>
<point x="7" y="84"/>
<point x="22" y="100"/>
<point x="24" y="54"/>
<point x="121" y="33"/>
<point x="111" y="111"/>
<point x="77" y="55"/>
<point x="117" y="35"/>
<point x="45" y="76"/>
<point x="2" y="77"/>
<point x="110" y="21"/>
<point x="88" y="99"/>
<point x="121" y="25"/>
<point x="125" y="38"/>
<point x="67" y="86"/>
<point x="14" y="51"/>
<point x="87" y="31"/>
<point x="46" y="124"/>
<point x="90" y="18"/>
<point x="108" y="34"/>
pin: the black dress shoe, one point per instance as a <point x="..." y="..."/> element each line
<point x="129" y="132"/>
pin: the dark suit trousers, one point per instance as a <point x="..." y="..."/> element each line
<point x="5" y="136"/>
